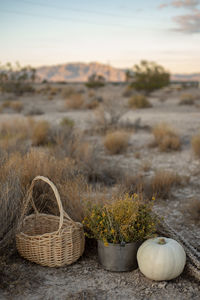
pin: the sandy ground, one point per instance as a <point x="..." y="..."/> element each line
<point x="86" y="279"/>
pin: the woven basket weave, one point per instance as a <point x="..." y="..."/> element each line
<point x="50" y="240"/>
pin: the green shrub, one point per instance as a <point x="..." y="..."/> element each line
<point x="95" y="81"/>
<point x="148" y="76"/>
<point x="16" y="80"/>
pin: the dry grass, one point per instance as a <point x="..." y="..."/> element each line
<point x="67" y="92"/>
<point x="16" y="174"/>
<point x="187" y="99"/>
<point x="166" y="138"/>
<point x="196" y="145"/>
<point x="163" y="182"/>
<point x="194" y="209"/>
<point x="15" y="105"/>
<point x="40" y="134"/>
<point x="17" y="128"/>
<point x="75" y="101"/>
<point x="11" y="195"/>
<point x="146" y="166"/>
<point x="5" y="104"/>
<point x="116" y="142"/>
<point x="139" y="101"/>
<point x="92" y="105"/>
<point x="67" y="122"/>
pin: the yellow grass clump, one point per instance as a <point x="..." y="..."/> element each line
<point x="139" y="101"/>
<point x="75" y="101"/>
<point x="166" y="138"/>
<point x="196" y="145"/>
<point x="163" y="181"/>
<point x="187" y="99"/>
<point x="15" y="105"/>
<point x="116" y="142"/>
<point x="40" y="133"/>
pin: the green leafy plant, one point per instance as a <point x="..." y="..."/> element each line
<point x="149" y="76"/>
<point x="95" y="81"/>
<point x="126" y="219"/>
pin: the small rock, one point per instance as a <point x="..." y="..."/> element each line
<point x="162" y="285"/>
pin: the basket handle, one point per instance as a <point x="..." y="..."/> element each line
<point x="52" y="185"/>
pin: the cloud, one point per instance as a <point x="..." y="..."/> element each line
<point x="190" y="4"/>
<point x="189" y="23"/>
<point x="163" y="5"/>
<point x="185" y="3"/>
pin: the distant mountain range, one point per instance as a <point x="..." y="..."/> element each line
<point x="79" y="72"/>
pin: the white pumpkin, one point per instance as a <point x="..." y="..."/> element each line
<point x="161" y="258"/>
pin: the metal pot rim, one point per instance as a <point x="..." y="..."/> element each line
<point x="122" y="245"/>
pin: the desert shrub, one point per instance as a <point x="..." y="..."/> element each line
<point x="16" y="173"/>
<point x="186" y="99"/>
<point x="116" y="142"/>
<point x="75" y="101"/>
<point x="91" y="94"/>
<point x="148" y="76"/>
<point x="139" y="101"/>
<point x="68" y="91"/>
<point x="17" y="128"/>
<point x="40" y="134"/>
<point x="67" y="122"/>
<point x="6" y="104"/>
<point x="34" y="111"/>
<point x="163" y="182"/>
<point x="194" y="209"/>
<point x="128" y="91"/>
<point x="146" y="165"/>
<point x="54" y="90"/>
<point x="95" y="81"/>
<point x="196" y="145"/>
<point x="166" y="138"/>
<point x="16" y="80"/>
<point x="11" y="196"/>
<point x="92" y="105"/>
<point x="133" y="184"/>
<point x="16" y="105"/>
<point x="126" y="219"/>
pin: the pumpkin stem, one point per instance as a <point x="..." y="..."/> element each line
<point x="161" y="241"/>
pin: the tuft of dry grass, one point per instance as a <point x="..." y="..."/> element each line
<point x="92" y="105"/>
<point x="187" y="99"/>
<point x="166" y="138"/>
<point x="6" y="104"/>
<point x="40" y="134"/>
<point x="75" y="101"/>
<point x="15" y="105"/>
<point x="116" y="142"/>
<point x="146" y="166"/>
<point x="196" y="145"/>
<point x="68" y="91"/>
<point x="194" y="209"/>
<point x="67" y="122"/>
<point x="162" y="183"/>
<point x="139" y="101"/>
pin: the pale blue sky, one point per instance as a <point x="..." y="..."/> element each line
<point x="120" y="32"/>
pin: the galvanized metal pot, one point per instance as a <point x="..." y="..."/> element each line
<point x="118" y="257"/>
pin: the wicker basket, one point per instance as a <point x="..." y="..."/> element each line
<point x="50" y="240"/>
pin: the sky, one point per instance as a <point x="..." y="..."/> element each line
<point x="115" y="32"/>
